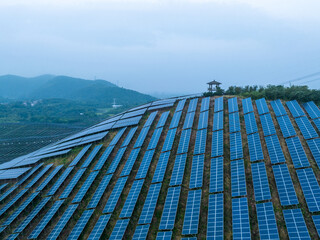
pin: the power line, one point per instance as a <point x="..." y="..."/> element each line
<point x="313" y="80"/>
<point x="301" y="78"/>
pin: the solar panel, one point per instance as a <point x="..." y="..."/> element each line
<point x="62" y="222"/>
<point x="150" y="119"/>
<point x="238" y="179"/>
<point x="178" y="170"/>
<point x="233" y="105"/>
<point x="80" y="155"/>
<point x="310" y="188"/>
<point x="49" y="178"/>
<point x="127" y="122"/>
<point x="284" y="184"/>
<point x="192" y="105"/>
<point x="306" y="128"/>
<point x="255" y="149"/>
<point x="295" y="108"/>
<point x="60" y="181"/>
<point x="314" y="146"/>
<point x="260" y="182"/>
<point x="13" y="173"/>
<point x="115" y="162"/>
<point x="200" y="143"/>
<point x="170" y="209"/>
<point x="145" y="164"/>
<point x="39" y="176"/>
<point x="2" y="186"/>
<point x="295" y="223"/>
<point x="180" y="105"/>
<point x="267" y="221"/>
<point x="119" y="229"/>
<point x="196" y="176"/>
<point x="85" y="187"/>
<point x="130" y="162"/>
<point x="163" y="119"/>
<point x="247" y="105"/>
<point x="46" y="219"/>
<point x="162" y="106"/>
<point x="141" y="137"/>
<point x="218" y="104"/>
<point x="164" y="235"/>
<point x="29" y="174"/>
<point x="175" y="120"/>
<point x="91" y="156"/>
<point x="250" y="122"/>
<point x="217" y="121"/>
<point x="316" y="221"/>
<point x="168" y="142"/>
<point x="234" y="122"/>
<point x="129" y="137"/>
<point x="236" y="151"/>
<point x="150" y="204"/>
<point x="81" y="224"/>
<point x="240" y="219"/>
<point x="184" y="141"/>
<point x="267" y="125"/>
<point x="99" y="227"/>
<point x="13" y="236"/>
<point x="203" y="120"/>
<point x="141" y="232"/>
<point x="161" y="167"/>
<point x="216" y="175"/>
<point x="205" y="104"/>
<point x="131" y="199"/>
<point x="312" y="110"/>
<point x="99" y="192"/>
<point x="188" y="121"/>
<point x="274" y="149"/>
<point x="278" y="108"/>
<point x="114" y="197"/>
<point x="217" y="144"/>
<point x="192" y="213"/>
<point x="297" y="153"/>
<point x="215" y="217"/>
<point x="102" y="160"/>
<point x="8" y="192"/>
<point x="317" y="123"/>
<point x="72" y="183"/>
<point x="117" y="137"/>
<point x="262" y="106"/>
<point x="155" y="138"/>
<point x="134" y="113"/>
<point x="286" y="126"/>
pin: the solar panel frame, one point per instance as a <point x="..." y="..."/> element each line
<point x="115" y="195"/>
<point x="196" y="175"/>
<point x="175" y="120"/>
<point x="247" y="105"/>
<point x="205" y="104"/>
<point x="99" y="191"/>
<point x="218" y="104"/>
<point x="233" y="105"/>
<point x="155" y="138"/>
<point x="178" y="170"/>
<point x="117" y="137"/>
<point x="215" y="223"/>
<point x="240" y="219"/>
<point x="234" y="122"/>
<point x="164" y="235"/>
<point x="129" y="137"/>
<point x="163" y="119"/>
<point x="306" y="128"/>
<point x="250" y="123"/>
<point x="260" y="182"/>
<point x="142" y="136"/>
<point x="295" y="108"/>
<point x="13" y="201"/>
<point x="286" y="126"/>
<point x="200" y="143"/>
<point x="312" y="109"/>
<point x="203" y="120"/>
<point x="150" y="119"/>
<point x="278" y="108"/>
<point x="192" y="213"/>
<point x="168" y="142"/>
<point x="238" y="178"/>
<point x="145" y="164"/>
<point x="295" y="224"/>
<point x="180" y="105"/>
<point x="274" y="149"/>
<point x="297" y="153"/>
<point x="76" y="178"/>
<point x="29" y="174"/>
<point x="217" y="121"/>
<point x="119" y="229"/>
<point x="316" y="221"/>
<point x="216" y="175"/>
<point x="161" y="167"/>
<point x="255" y="148"/>
<point x="49" y="178"/>
<point x="99" y="227"/>
<point x="85" y="187"/>
<point x="102" y="160"/>
<point x="193" y="105"/>
<point x="266" y="221"/>
<point x="184" y="141"/>
<point x="81" y="224"/>
<point x="92" y="155"/>
<point x="188" y="121"/>
<point x="38" y="176"/>
<point x="141" y="232"/>
<point x="217" y="144"/>
<point x="80" y="155"/>
<point x="60" y="181"/>
<point x="116" y="160"/>
<point x="236" y="150"/>
<point x="130" y="162"/>
<point x="267" y="125"/>
<point x="262" y="106"/>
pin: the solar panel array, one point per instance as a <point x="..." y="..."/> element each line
<point x="267" y="221"/>
<point x="99" y="227"/>
<point x="286" y="126"/>
<point x="240" y="219"/>
<point x="260" y="181"/>
<point x="295" y="224"/>
<point x="297" y="153"/>
<point x="196" y="176"/>
<point x="200" y="143"/>
<point x="217" y="144"/>
<point x="262" y="106"/>
<point x="192" y="214"/>
<point x="255" y="148"/>
<point x="131" y="199"/>
<point x="247" y="105"/>
<point x="295" y="109"/>
<point x="312" y="109"/>
<point x="217" y="121"/>
<point x="215" y="217"/>
<point x="238" y="179"/>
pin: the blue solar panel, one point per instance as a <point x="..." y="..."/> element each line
<point x="155" y="139"/>
<point x="278" y="108"/>
<point x="130" y="162"/>
<point x="215" y="217"/>
<point x="170" y="209"/>
<point x="196" y="176"/>
<point x="284" y="184"/>
<point x="115" y="162"/>
<point x="85" y="187"/>
<point x="141" y="232"/>
<point x="99" y="192"/>
<point x="145" y="164"/>
<point x="164" y="235"/>
<point x="274" y="149"/>
<point x="13" y="236"/>
<point x="306" y="128"/>
<point x="314" y="146"/>
<point x="39" y="176"/>
<point x="295" y="223"/>
<point x="234" y="122"/>
<point x="80" y="155"/>
<point x="134" y="113"/>
<point x="2" y="186"/>
<point x="60" y="181"/>
<point x="267" y="125"/>
<point x="188" y="122"/>
<point x="163" y="119"/>
<point x="192" y="213"/>
<point x="8" y="192"/>
<point x="217" y="121"/>
<point x="81" y="224"/>
<point x="316" y="221"/>
<point x="236" y="151"/>
<point x="233" y="105"/>
<point x="150" y="204"/>
<point x="92" y="155"/>
<point x="114" y="197"/>
<point x="218" y="104"/>
<point x="62" y="222"/>
<point x="180" y="105"/>
<point x="178" y="170"/>
<point x="184" y="141"/>
<point x="205" y="104"/>
<point x="238" y="179"/>
<point x="260" y="182"/>
<point x="262" y="106"/>
<point x="131" y="199"/>
<point x="29" y="174"/>
<point x="267" y="221"/>
<point x="175" y="120"/>
<point x="240" y="219"/>
<point x="216" y="175"/>
<point x="46" y="219"/>
<point x="200" y="144"/>
<point x="150" y="119"/>
<point x="255" y="149"/>
<point x="168" y="142"/>
<point x="192" y="105"/>
<point x="203" y="120"/>
<point x="99" y="227"/>
<point x="72" y="183"/>
<point x="217" y="144"/>
<point x="297" y="153"/>
<point x="310" y="188"/>
<point x="247" y="105"/>
<point x="286" y="126"/>
<point x="317" y="123"/>
<point x="102" y="160"/>
<point x="161" y="167"/>
<point x="312" y="109"/>
<point x="141" y="137"/>
<point x="250" y="122"/>
<point x="129" y="137"/>
<point x="117" y="137"/>
<point x="49" y="178"/>
<point x="295" y="108"/>
<point x="119" y="229"/>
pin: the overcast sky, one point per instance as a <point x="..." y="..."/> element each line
<point x="162" y="45"/>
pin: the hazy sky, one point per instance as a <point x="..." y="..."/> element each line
<point x="162" y="45"/>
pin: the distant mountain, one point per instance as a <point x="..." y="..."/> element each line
<point x="98" y="92"/>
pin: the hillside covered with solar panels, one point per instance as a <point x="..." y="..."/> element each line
<point x="182" y="168"/>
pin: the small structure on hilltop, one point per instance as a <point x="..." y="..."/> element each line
<point x="213" y="85"/>
<point x="114" y="105"/>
